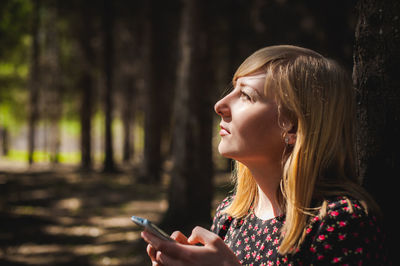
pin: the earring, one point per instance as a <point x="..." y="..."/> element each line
<point x="287" y="140"/>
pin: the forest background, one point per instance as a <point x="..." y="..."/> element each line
<point x="106" y="111"/>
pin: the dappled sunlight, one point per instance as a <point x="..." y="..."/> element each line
<point x="31" y="210"/>
<point x="74" y="231"/>
<point x="92" y="249"/>
<point x="70" y="218"/>
<point x="49" y="254"/>
<point x="65" y="221"/>
<point x="147" y="209"/>
<point x="38" y="255"/>
<point x="111" y="222"/>
<point x="36" y="194"/>
<point x="71" y="204"/>
<point x="34" y="249"/>
<point x="76" y="219"/>
<point x="118" y="237"/>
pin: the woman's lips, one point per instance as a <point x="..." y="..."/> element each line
<point x="223" y="131"/>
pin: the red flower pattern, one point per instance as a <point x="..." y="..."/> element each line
<point x="346" y="234"/>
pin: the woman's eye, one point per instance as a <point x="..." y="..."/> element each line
<point x="245" y="96"/>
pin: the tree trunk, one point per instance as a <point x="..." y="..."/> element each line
<point x="108" y="21"/>
<point x="85" y="33"/>
<point x="190" y="192"/>
<point x="4" y="140"/>
<point x="86" y="110"/>
<point x="34" y="82"/>
<point x="160" y="78"/>
<point x="52" y="81"/>
<point x="127" y="117"/>
<point x="376" y="76"/>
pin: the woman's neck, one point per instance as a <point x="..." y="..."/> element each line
<point x="266" y="207"/>
<point x="268" y="181"/>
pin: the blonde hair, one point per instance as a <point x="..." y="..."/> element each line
<point x="315" y="94"/>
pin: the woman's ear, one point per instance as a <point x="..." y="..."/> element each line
<point x="290" y="133"/>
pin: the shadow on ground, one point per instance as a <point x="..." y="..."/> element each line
<point x="75" y="218"/>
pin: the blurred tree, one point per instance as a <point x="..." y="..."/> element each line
<point x="85" y="31"/>
<point x="34" y="81"/>
<point x="108" y="51"/>
<point x="4" y="141"/>
<point x="127" y="118"/>
<point x="376" y="77"/>
<point x="160" y="81"/>
<point x="129" y="42"/>
<point x="52" y="81"/>
<point x="191" y="192"/>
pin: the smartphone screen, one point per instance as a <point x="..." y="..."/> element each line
<point x="151" y="228"/>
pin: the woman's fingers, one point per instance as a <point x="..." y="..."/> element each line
<point x="164" y="252"/>
<point x="214" y="249"/>
<point x="167" y="260"/>
<point x="179" y="237"/>
<point x="173" y="249"/>
<point x="151" y="252"/>
<point x="203" y="236"/>
<point x="171" y="253"/>
<point x="153" y="255"/>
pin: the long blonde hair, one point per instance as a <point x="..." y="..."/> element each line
<point x="315" y="94"/>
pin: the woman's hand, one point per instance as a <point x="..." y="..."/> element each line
<point x="152" y="252"/>
<point x="185" y="252"/>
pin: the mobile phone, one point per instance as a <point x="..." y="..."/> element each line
<point x="151" y="228"/>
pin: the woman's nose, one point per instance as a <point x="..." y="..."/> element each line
<point x="222" y="108"/>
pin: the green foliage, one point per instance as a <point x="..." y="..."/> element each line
<point x="4" y="116"/>
<point x="13" y="82"/>
<point x="70" y="126"/>
<point x="14" y="26"/>
<point x="14" y="54"/>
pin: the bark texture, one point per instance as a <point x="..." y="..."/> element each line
<point x="376" y="77"/>
<point x="191" y="185"/>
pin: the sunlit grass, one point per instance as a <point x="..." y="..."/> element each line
<point x="43" y="156"/>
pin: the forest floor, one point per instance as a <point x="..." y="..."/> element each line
<point x="62" y="216"/>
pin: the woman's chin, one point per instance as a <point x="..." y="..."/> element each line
<point x="225" y="153"/>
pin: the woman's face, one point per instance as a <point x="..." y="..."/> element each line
<point x="250" y="131"/>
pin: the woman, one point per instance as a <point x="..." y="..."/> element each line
<point x="288" y="124"/>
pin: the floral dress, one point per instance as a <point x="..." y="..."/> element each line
<point x="347" y="235"/>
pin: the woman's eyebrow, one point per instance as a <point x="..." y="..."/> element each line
<point x="244" y="84"/>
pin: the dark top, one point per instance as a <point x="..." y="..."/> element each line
<point x="342" y="237"/>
